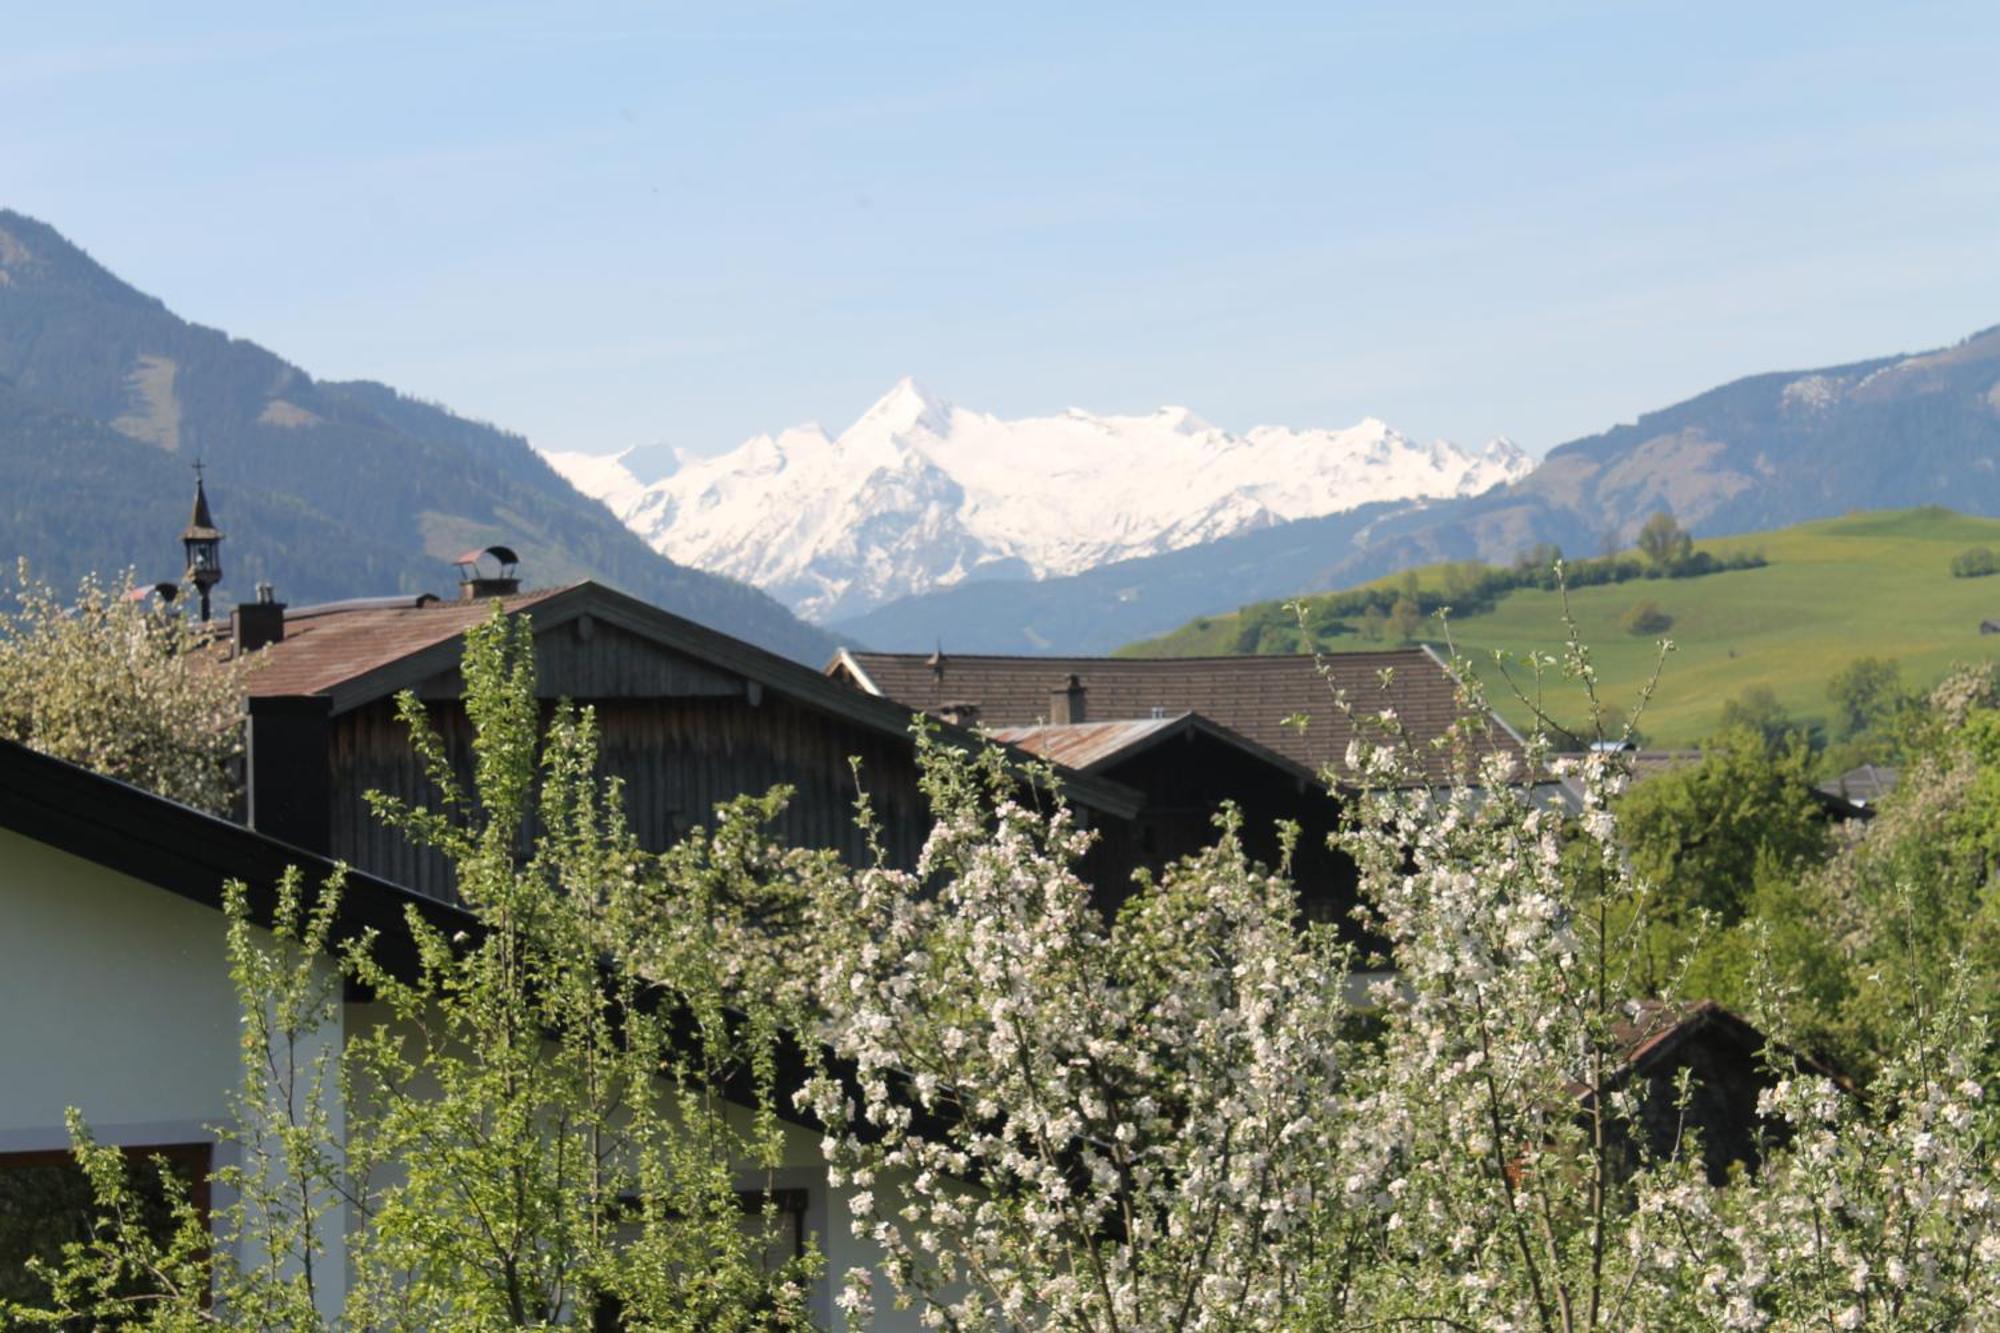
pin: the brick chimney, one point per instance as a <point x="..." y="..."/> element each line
<point x="1066" y="701"/>
<point x="256" y="624"/>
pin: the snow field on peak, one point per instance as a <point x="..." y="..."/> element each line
<point x="919" y="494"/>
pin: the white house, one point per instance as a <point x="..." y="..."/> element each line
<point x="117" y="998"/>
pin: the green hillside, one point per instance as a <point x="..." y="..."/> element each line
<point x="1872" y="584"/>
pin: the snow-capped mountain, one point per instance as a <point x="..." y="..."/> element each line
<point x="919" y="494"/>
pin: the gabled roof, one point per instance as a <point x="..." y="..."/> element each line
<point x="337" y="650"/>
<point x="1250" y="696"/>
<point x="1659" y="1030"/>
<point x="353" y="655"/>
<point x="1093" y="747"/>
<point x="192" y="854"/>
<point x="1863" y="786"/>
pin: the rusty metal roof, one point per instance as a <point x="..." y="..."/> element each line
<point x="325" y="647"/>
<point x="1084" y="744"/>
<point x="1250" y="696"/>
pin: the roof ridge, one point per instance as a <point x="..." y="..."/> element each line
<point x="1052" y="659"/>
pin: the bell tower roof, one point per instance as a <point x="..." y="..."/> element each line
<point x="201" y="526"/>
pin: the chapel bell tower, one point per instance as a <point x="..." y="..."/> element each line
<point x="203" y="541"/>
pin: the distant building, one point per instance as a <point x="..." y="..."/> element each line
<point x="1257" y="698"/>
<point x="1186" y="767"/>
<point x="1190" y="734"/>
<point x="1645" y="765"/>
<point x="1729" y="1062"/>
<point x="1862" y="787"/>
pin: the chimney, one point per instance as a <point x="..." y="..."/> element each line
<point x="1066" y="702"/>
<point x="491" y="571"/>
<point x="258" y="623"/>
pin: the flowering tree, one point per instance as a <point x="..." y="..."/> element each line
<point x="1059" y="1122"/>
<point x="1173" y="1121"/>
<point x="112" y="684"/>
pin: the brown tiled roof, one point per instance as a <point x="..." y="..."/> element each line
<point x="324" y="648"/>
<point x="1251" y="696"/>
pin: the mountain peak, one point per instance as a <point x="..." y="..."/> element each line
<point x="1182" y="420"/>
<point x="918" y="495"/>
<point x="906" y="408"/>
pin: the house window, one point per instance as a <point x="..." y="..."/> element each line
<point x="787" y="1237"/>
<point x="46" y="1203"/>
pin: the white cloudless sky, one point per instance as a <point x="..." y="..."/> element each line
<point x="606" y="225"/>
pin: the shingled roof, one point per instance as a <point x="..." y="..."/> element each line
<point x="1251" y="696"/>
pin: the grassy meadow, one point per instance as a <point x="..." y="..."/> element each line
<point x="1872" y="584"/>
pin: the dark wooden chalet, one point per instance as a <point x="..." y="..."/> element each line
<point x="1252" y="697"/>
<point x="1729" y="1063"/>
<point x="1190" y="734"/>
<point x="689" y="717"/>
<point x="1186" y="766"/>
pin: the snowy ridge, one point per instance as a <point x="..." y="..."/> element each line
<point x="918" y="494"/>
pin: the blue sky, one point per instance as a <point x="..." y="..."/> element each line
<point x="622" y="224"/>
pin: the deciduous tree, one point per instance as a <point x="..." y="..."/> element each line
<point x="124" y="686"/>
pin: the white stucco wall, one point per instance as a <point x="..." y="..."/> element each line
<point x="115" y="999"/>
<point x="829" y="1220"/>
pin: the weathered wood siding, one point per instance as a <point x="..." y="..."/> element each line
<point x="678" y="757"/>
<point x="586" y="658"/>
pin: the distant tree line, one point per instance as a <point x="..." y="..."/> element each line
<point x="1397" y="612"/>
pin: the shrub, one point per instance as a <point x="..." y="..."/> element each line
<point x="1974" y="563"/>
<point x="1646" y="617"/>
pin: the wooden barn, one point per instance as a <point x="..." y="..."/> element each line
<point x="1728" y="1063"/>
<point x="689" y="717"/>
<point x="1190" y="734"/>
<point x="1257" y="698"/>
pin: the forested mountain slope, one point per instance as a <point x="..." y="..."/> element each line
<point x="328" y="490"/>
